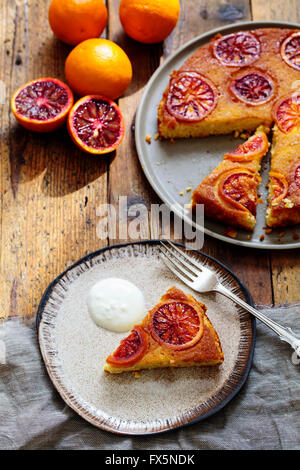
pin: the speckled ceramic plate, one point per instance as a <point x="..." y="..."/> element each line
<point x="74" y="349"/>
<point x="170" y="168"/>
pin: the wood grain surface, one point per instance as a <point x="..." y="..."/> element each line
<point x="51" y="192"/>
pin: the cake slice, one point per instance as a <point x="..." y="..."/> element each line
<point x="230" y="84"/>
<point x="229" y="192"/>
<point x="284" y="178"/>
<point x="175" y="333"/>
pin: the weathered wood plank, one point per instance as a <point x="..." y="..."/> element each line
<point x="50" y="190"/>
<point x="268" y="10"/>
<point x="285" y="265"/>
<point x="126" y="177"/>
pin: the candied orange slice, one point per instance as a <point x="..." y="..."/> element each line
<point x="256" y="146"/>
<point x="239" y="187"/>
<point x="290" y="50"/>
<point x="191" y="97"/>
<point x="176" y="325"/>
<point x="286" y="112"/>
<point x="237" y="49"/>
<point x="254" y="88"/>
<point x="279" y="187"/>
<point x="131" y="349"/>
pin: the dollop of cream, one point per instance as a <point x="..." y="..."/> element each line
<point x="116" y="304"/>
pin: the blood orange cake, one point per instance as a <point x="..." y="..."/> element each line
<point x="284" y="177"/>
<point x="230" y="84"/>
<point x="229" y="192"/>
<point x="175" y="333"/>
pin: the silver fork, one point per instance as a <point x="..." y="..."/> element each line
<point x="202" y="279"/>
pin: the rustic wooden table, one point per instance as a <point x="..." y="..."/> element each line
<point x="50" y="190"/>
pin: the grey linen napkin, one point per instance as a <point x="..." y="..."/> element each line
<point x="264" y="415"/>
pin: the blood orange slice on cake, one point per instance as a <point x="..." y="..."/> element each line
<point x="237" y="49"/>
<point x="290" y="50"/>
<point x="191" y="97"/>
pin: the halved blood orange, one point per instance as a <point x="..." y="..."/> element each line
<point x="239" y="188"/>
<point x="96" y="124"/>
<point x="131" y="349"/>
<point x="42" y="105"/>
<point x="279" y="186"/>
<point x="290" y="50"/>
<point x="286" y="112"/>
<point x="254" y="88"/>
<point x="191" y="97"/>
<point x="237" y="49"/>
<point x="256" y="146"/>
<point x="176" y="325"/>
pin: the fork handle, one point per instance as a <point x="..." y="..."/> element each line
<point x="285" y="334"/>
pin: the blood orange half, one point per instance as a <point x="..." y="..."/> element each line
<point x="176" y="325"/>
<point x="191" y="97"/>
<point x="131" y="349"/>
<point x="254" y="88"/>
<point x="286" y="112"/>
<point x="256" y="146"/>
<point x="237" y="49"/>
<point x="42" y="105"/>
<point x="96" y="124"/>
<point x="290" y="50"/>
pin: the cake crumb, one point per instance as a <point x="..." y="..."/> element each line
<point x="156" y="136"/>
<point x="231" y="232"/>
<point x="137" y="374"/>
<point x="236" y="134"/>
<point x="148" y="139"/>
<point x="268" y="230"/>
<point x="261" y="238"/>
<point x="188" y="189"/>
<point x="172" y="141"/>
<point x="280" y="235"/>
<point x="181" y="193"/>
<point x="260" y="201"/>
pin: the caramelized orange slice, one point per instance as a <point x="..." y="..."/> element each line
<point x="237" y="49"/>
<point x="286" y="112"/>
<point x="239" y="188"/>
<point x="191" y="97"/>
<point x="290" y="50"/>
<point x="176" y="325"/>
<point x="131" y="349"/>
<point x="254" y="147"/>
<point x="279" y="187"/>
<point x="254" y="88"/>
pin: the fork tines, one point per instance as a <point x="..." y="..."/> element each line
<point x="177" y="260"/>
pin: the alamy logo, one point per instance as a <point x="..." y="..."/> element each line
<point x="127" y="221"/>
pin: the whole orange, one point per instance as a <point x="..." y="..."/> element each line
<point x="73" y="21"/>
<point x="149" y="21"/>
<point x="98" y="67"/>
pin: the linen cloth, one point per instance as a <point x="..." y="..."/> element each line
<point x="265" y="414"/>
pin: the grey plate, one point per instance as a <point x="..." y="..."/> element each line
<point x="171" y="168"/>
<point x="74" y="349"/>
